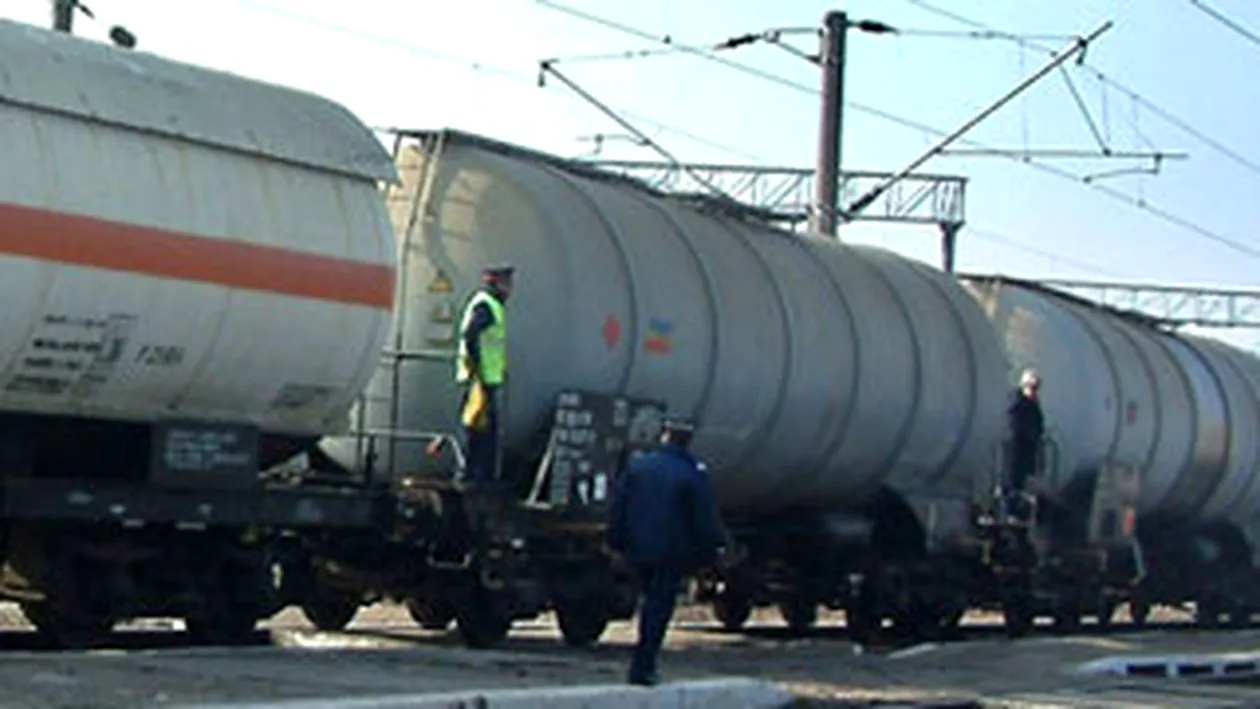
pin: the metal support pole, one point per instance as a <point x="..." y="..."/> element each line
<point x="949" y="244"/>
<point x="830" y="135"/>
<point x="63" y="15"/>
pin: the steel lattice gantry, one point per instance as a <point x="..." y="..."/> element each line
<point x="783" y="195"/>
<point x="1173" y="306"/>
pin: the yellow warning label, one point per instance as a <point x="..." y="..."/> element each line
<point x="440" y="283"/>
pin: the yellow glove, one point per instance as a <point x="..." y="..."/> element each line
<point x="476" y="414"/>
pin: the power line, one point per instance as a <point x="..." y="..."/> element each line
<point x="1104" y="79"/>
<point x="382" y="40"/>
<point x="1010" y="243"/>
<point x="775" y="36"/>
<point x="1220" y="17"/>
<point x="467" y="63"/>
<point x="1138" y="203"/>
<point x="986" y="34"/>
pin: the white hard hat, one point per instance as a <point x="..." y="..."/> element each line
<point x="1030" y="377"/>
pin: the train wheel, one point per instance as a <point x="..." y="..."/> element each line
<point x="1140" y="612"/>
<point x="1067" y="620"/>
<point x="582" y="621"/>
<point x="482" y="620"/>
<point x="1239" y="615"/>
<point x="799" y="614"/>
<point x="224" y="630"/>
<point x="233" y="594"/>
<point x="864" y="617"/>
<point x="222" y="621"/>
<point x="330" y="610"/>
<point x="482" y="628"/>
<point x="921" y="614"/>
<point x="732" y="610"/>
<point x="1018" y="614"/>
<point x="67" y="631"/>
<point x="1106" y="611"/>
<point x="948" y="625"/>
<point x="924" y="622"/>
<point x="1207" y="613"/>
<point x="430" y="614"/>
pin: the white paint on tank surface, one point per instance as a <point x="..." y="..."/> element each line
<point x="1183" y="410"/>
<point x="816" y="372"/>
<point x="181" y="183"/>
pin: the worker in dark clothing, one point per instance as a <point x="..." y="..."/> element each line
<point x="1025" y="425"/>
<point x="664" y="521"/>
<point x="483" y="358"/>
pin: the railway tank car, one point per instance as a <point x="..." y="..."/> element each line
<point x="197" y="276"/>
<point x="1181" y="410"/>
<point x="818" y="372"/>
<point x="842" y="392"/>
<point x="850" y="405"/>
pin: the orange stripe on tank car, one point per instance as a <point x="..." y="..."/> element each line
<point x="117" y="246"/>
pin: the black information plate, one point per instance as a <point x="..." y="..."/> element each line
<point x="592" y="435"/>
<point x="198" y="454"/>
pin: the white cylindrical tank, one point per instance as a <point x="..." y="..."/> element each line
<point x="1184" y="410"/>
<point x="179" y="242"/>
<point x="816" y="372"/>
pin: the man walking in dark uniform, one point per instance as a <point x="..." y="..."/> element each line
<point x="1025" y="425"/>
<point x="664" y="520"/>
<point x="483" y="360"/>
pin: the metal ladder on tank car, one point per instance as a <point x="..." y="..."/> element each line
<point x="395" y="357"/>
<point x="407" y="213"/>
<point x="369" y="440"/>
<point x="1047" y="461"/>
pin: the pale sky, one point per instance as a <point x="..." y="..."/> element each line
<point x="472" y="65"/>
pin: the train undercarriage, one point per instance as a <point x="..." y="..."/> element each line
<point x="80" y="558"/>
<point x="1047" y="563"/>
<point x="104" y="522"/>
<point x="222" y="548"/>
<point x="476" y="558"/>
<point x="487" y="558"/>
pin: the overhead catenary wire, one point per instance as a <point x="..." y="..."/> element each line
<point x="513" y="75"/>
<point x="1136" y="202"/>
<point x="1225" y="20"/>
<point x="523" y="78"/>
<point x="985" y="235"/>
<point x="1079" y="45"/>
<point x="530" y="79"/>
<point x="775" y="36"/>
<point x="546" y="68"/>
<point x="1102" y="78"/>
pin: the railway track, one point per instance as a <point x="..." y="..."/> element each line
<point x="383" y="653"/>
<point x="387" y="622"/>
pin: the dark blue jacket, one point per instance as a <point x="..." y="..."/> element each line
<point x="664" y="511"/>
<point x="1025" y="424"/>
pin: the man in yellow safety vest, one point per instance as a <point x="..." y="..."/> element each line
<point x="483" y="359"/>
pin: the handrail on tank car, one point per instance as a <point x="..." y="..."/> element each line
<point x="430" y="354"/>
<point x="392" y="358"/>
<point x="391" y="435"/>
<point x="1047" y="458"/>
